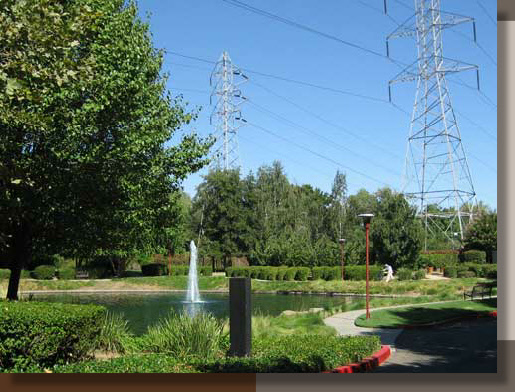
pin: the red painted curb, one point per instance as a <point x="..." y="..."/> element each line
<point x="366" y="364"/>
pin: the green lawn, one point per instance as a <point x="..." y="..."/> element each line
<point x="439" y="289"/>
<point x="425" y="314"/>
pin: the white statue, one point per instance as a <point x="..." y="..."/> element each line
<point x="388" y="272"/>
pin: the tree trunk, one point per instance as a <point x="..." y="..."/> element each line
<point x="20" y="257"/>
<point x="14" y="283"/>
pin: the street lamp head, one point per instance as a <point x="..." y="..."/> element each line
<point x="366" y="218"/>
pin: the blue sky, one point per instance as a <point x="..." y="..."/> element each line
<point x="362" y="137"/>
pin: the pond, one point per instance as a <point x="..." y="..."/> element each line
<point x="144" y="309"/>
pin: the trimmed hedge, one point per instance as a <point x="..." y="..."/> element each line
<point x="66" y="273"/>
<point x="437" y="260"/>
<point x="473" y="256"/>
<point x="358" y="272"/>
<point x="278" y="354"/>
<point x="419" y="274"/>
<point x="404" y="274"/>
<point x="43" y="334"/>
<point x="302" y="273"/>
<point x="154" y="269"/>
<point x="44" y="272"/>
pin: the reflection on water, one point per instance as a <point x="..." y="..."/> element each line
<point x="144" y="309"/>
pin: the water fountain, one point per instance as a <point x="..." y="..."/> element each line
<point x="193" y="295"/>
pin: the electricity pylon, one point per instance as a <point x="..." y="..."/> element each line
<point x="436" y="176"/>
<point x="226" y="98"/>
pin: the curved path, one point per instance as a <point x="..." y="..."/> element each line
<point x="468" y="346"/>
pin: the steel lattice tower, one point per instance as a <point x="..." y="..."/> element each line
<point x="436" y="175"/>
<point x="226" y="98"/>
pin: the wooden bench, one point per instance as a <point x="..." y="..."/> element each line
<point x="81" y="274"/>
<point x="480" y="289"/>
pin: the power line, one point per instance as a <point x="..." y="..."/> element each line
<point x="486" y="12"/>
<point x="477" y="125"/>
<point x="322" y="119"/>
<point x="318" y="136"/>
<point x="483" y="162"/>
<point x="300" y="26"/>
<point x="316" y="153"/>
<point x="295" y="81"/>
<point x="301" y="164"/>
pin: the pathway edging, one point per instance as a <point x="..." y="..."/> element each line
<point x="367" y="364"/>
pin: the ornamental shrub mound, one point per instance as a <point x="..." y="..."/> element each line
<point x="42" y="334"/>
<point x="278" y="354"/>
<point x="154" y="269"/>
<point x="44" y="272"/>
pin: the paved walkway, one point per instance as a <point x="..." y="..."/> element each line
<point x="469" y="346"/>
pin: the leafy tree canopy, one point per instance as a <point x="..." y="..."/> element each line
<point x="84" y="119"/>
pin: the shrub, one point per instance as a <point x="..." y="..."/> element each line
<point x="404" y="274"/>
<point x="26" y="274"/>
<point x="317" y="273"/>
<point x="271" y="273"/>
<point x="154" y="269"/>
<point x="332" y="273"/>
<point x="419" y="274"/>
<point x="45" y="272"/>
<point x="113" y="334"/>
<point x="66" y="273"/>
<point x="358" y="272"/>
<point x="44" y="334"/>
<point x="473" y="256"/>
<point x="182" y="335"/>
<point x="437" y="260"/>
<point x="273" y="354"/>
<point x="146" y="363"/>
<point x="281" y="273"/>
<point x="259" y="272"/>
<point x="180" y="270"/>
<point x="490" y="271"/>
<point x="228" y="272"/>
<point x="206" y="271"/>
<point x="466" y="274"/>
<point x="99" y="267"/>
<point x="297" y="354"/>
<point x="290" y="273"/>
<point x="5" y="273"/>
<point x="450" y="271"/>
<point x="302" y="273"/>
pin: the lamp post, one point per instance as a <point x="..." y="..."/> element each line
<point x="342" y="242"/>
<point x="366" y="221"/>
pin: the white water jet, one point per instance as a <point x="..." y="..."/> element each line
<point x="193" y="293"/>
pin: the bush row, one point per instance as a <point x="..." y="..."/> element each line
<point x="159" y="269"/>
<point x="408" y="274"/>
<point x="278" y="354"/>
<point x="352" y="272"/>
<point x="270" y="273"/>
<point x="441" y="260"/>
<point x="471" y="270"/>
<point x="41" y="334"/>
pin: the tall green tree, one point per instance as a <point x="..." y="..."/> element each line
<point x="84" y="118"/>
<point x="481" y="234"/>
<point x="225" y="209"/>
<point x="396" y="232"/>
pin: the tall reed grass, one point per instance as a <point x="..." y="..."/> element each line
<point x="182" y="335"/>
<point x="114" y="335"/>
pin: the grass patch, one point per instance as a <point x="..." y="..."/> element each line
<point x="307" y="323"/>
<point x="424" y="314"/>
